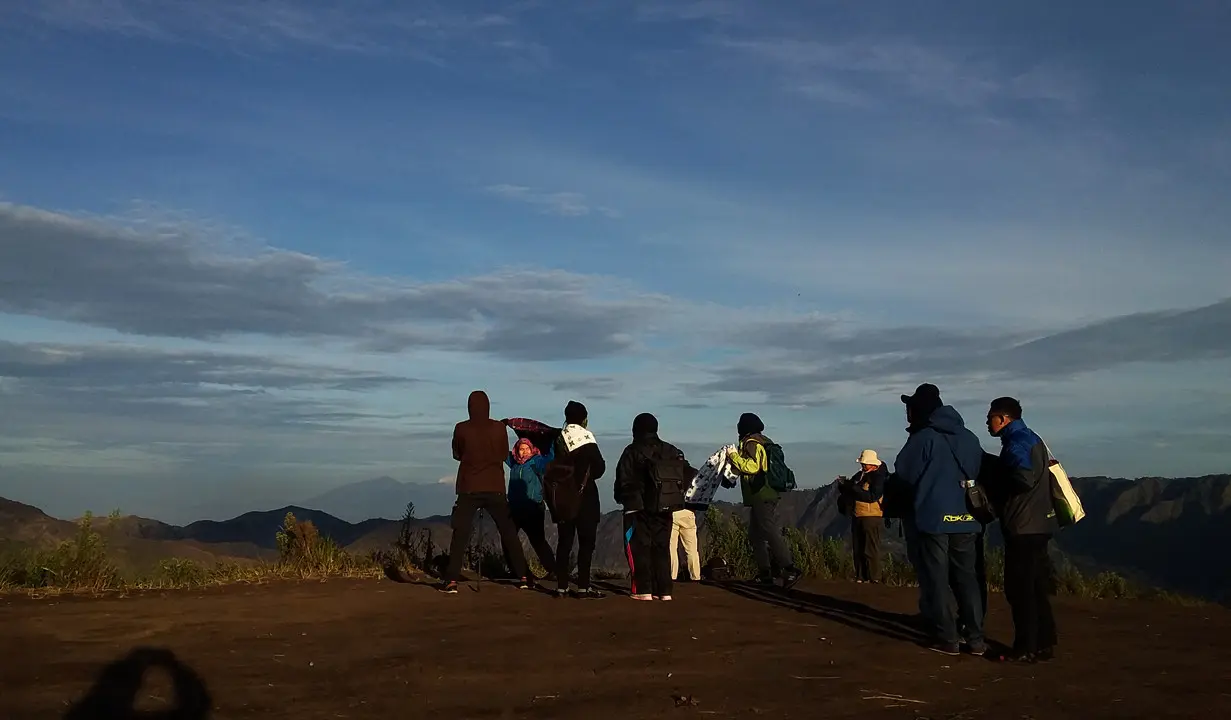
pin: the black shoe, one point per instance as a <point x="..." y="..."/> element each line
<point x="790" y="577"/>
<point x="449" y="588"/>
<point x="560" y="594"/>
<point x="944" y="648"/>
<point x="765" y="580"/>
<point x="1045" y="655"/>
<point x="587" y="594"/>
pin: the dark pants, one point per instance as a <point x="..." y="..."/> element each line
<point x="866" y="544"/>
<point x="462" y="522"/>
<point x="1027" y="580"/>
<point x="768" y="546"/>
<point x="647" y="536"/>
<point x="529" y="517"/>
<point x="585" y="528"/>
<point x="949" y="572"/>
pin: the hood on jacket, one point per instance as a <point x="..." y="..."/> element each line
<point x="479" y="407"/>
<point x="644" y="425"/>
<point x="945" y="419"/>
<point x="575" y="413"/>
<point x="749" y="424"/>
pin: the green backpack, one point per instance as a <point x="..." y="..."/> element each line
<point x="778" y="476"/>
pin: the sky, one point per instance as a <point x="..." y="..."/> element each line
<point x="252" y="250"/>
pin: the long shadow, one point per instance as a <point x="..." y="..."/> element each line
<point x="114" y="693"/>
<point x="894" y="626"/>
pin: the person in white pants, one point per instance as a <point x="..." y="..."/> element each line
<point x="684" y="526"/>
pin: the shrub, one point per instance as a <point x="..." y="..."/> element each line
<point x="304" y="552"/>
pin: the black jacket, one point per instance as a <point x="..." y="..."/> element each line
<point x="876" y="485"/>
<point x="1020" y="486"/>
<point x="633" y="488"/>
<point x="588" y="466"/>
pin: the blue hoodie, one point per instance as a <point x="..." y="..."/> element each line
<point x="935" y="461"/>
<point x="526" y="479"/>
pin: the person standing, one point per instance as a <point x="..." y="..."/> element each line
<point x="750" y="460"/>
<point x="651" y="479"/>
<point x="684" y="528"/>
<point x="1027" y="521"/>
<point x="481" y="445"/>
<point x="571" y="485"/>
<point x="863" y="494"/>
<point x="526" y="467"/>
<point x="940" y="457"/>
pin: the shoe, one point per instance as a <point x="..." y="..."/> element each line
<point x="944" y="648"/>
<point x="765" y="580"/>
<point x="588" y="594"/>
<point x="978" y="649"/>
<point x="526" y="584"/>
<point x="790" y="576"/>
<point x="665" y="598"/>
<point x="1045" y="655"/>
<point x="560" y="594"/>
<point x="641" y="596"/>
<point x="449" y="588"/>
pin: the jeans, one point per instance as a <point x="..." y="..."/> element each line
<point x="1027" y="580"/>
<point x="768" y="546"/>
<point x="949" y="572"/>
<point x="462" y="522"/>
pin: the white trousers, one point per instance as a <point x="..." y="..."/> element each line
<point x="684" y="527"/>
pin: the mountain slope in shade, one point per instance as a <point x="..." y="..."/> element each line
<point x="383" y="497"/>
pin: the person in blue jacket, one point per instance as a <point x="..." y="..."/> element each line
<point x="526" y="465"/>
<point x="940" y="457"/>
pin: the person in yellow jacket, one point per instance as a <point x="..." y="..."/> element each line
<point x="769" y="547"/>
<point x="863" y="494"/>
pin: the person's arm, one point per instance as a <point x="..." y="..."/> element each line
<point x="457" y="444"/>
<point x="598" y="466"/>
<point x="912" y="460"/>
<point x="748" y="462"/>
<point x="876" y="487"/>
<point x="1019" y="462"/>
<point x="626" y="477"/>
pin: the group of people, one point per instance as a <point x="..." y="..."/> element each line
<point x="651" y="480"/>
<point x="929" y="489"/>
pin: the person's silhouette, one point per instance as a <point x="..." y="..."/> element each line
<point x="114" y="694"/>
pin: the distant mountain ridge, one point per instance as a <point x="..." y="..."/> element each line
<point x="383" y="497"/>
<point x="1172" y="533"/>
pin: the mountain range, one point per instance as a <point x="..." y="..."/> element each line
<point x="1164" y="532"/>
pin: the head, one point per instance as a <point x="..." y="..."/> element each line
<point x="479" y="407"/>
<point x="921" y="405"/>
<point x="869" y="461"/>
<point x="575" y="414"/>
<point x="749" y="424"/>
<point x="644" y="424"/>
<point x="524" y="450"/>
<point x="1002" y="411"/>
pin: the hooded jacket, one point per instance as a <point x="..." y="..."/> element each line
<point x="480" y="445"/>
<point x="1022" y="492"/>
<point x="633" y="487"/>
<point x="939" y="456"/>
<point x="526" y="478"/>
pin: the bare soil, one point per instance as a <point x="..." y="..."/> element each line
<point x="378" y="649"/>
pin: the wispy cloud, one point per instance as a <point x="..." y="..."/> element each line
<point x="562" y="204"/>
<point x="169" y="281"/>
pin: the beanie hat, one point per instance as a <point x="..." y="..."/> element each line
<point x="575" y="413"/>
<point x="644" y="424"/>
<point x="749" y="424"/>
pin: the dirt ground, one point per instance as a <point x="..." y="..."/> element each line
<point x="378" y="649"/>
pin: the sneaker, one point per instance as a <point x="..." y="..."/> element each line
<point x="588" y="594"/>
<point x="560" y="594"/>
<point x="665" y="598"/>
<point x="765" y="580"/>
<point x="1045" y="655"/>
<point x="790" y="577"/>
<point x="978" y="649"/>
<point x="526" y="584"/>
<point x="641" y="596"/>
<point x="449" y="588"/>
<point x="944" y="648"/>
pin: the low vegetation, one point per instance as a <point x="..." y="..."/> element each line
<point x="82" y="563"/>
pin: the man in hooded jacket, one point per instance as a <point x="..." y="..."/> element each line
<point x="571" y="482"/>
<point x="764" y="529"/>
<point x="648" y="507"/>
<point x="940" y="458"/>
<point x="480" y="445"/>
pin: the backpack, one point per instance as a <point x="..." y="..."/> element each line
<point x="668" y="479"/>
<point x="778" y="476"/>
<point x="562" y="488"/>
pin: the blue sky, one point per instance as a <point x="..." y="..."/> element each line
<point x="250" y="251"/>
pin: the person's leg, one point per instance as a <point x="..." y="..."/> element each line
<point x="969" y="604"/>
<point x="661" y="563"/>
<point x="771" y="530"/>
<point x="497" y="505"/>
<point x="759" y="539"/>
<point x="529" y="518"/>
<point x="981" y="571"/>
<point x="872" y="547"/>
<point x="565" y="532"/>
<point x="688" y="533"/>
<point x="461" y="522"/>
<point x="857" y="549"/>
<point x="910" y="534"/>
<point x="587" y="539"/>
<point x="1017" y="587"/>
<point x="1047" y="635"/>
<point x="673" y="545"/>
<point x="637" y="549"/>
<point x="934" y="585"/>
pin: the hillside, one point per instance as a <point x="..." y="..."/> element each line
<point x="1146" y="529"/>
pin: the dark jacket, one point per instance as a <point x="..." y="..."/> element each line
<point x="940" y="454"/>
<point x="633" y="488"/>
<point x="480" y="444"/>
<point x="588" y="466"/>
<point x="1023" y="488"/>
<point x="853" y="491"/>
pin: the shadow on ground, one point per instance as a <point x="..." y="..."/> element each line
<point x="114" y="693"/>
<point x="859" y="616"/>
